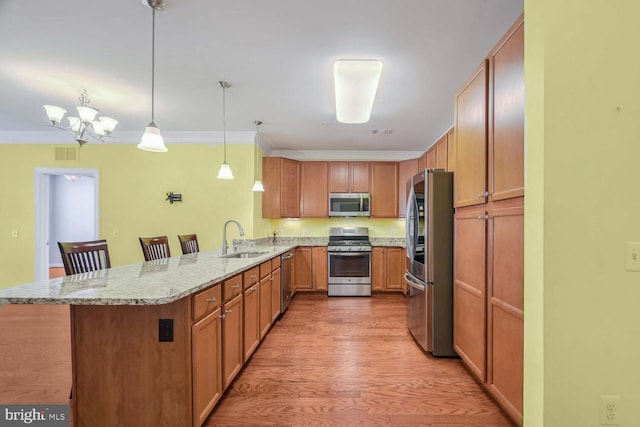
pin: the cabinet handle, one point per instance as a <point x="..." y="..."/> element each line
<point x="212" y="299"/>
<point x="483" y="195"/>
<point x="227" y="311"/>
<point x="222" y="316"/>
<point x="253" y="276"/>
<point x="483" y="217"/>
<point x="235" y="286"/>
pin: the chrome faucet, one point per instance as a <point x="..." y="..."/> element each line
<point x="224" y="234"/>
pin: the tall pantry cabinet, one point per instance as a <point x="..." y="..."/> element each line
<point x="489" y="221"/>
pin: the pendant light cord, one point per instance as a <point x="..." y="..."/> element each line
<point x="255" y="153"/>
<point x="224" y="123"/>
<point x="153" y="61"/>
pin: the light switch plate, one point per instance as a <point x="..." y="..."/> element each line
<point x="632" y="256"/>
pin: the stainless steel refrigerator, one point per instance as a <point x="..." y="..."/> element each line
<point x="429" y="263"/>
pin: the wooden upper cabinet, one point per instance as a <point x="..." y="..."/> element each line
<point x="406" y="170"/>
<point x="471" y="140"/>
<point x="442" y="152"/>
<point x="349" y="177"/>
<point x="506" y="115"/>
<point x="314" y="197"/>
<point x="422" y="161"/>
<point x="384" y="190"/>
<point x="281" y="197"/>
<point x="431" y="157"/>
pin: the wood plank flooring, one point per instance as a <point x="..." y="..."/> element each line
<point x="327" y="361"/>
<point x="347" y="362"/>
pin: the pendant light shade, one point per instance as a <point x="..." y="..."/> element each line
<point x="152" y="139"/>
<point x="257" y="186"/>
<point x="225" y="169"/>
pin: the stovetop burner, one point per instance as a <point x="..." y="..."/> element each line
<point x="349" y="239"/>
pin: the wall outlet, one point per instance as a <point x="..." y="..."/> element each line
<point x="14" y="233"/>
<point x="305" y="232"/>
<point x="632" y="256"/>
<point x="610" y="410"/>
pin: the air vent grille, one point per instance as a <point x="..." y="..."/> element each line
<point x="382" y="131"/>
<point x="66" y="153"/>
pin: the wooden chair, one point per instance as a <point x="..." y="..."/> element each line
<point x="83" y="257"/>
<point x="188" y="243"/>
<point x="155" y="247"/>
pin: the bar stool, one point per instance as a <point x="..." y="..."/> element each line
<point x="82" y="257"/>
<point x="155" y="247"/>
<point x="188" y="243"/>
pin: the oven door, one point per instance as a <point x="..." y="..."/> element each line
<point x="350" y="267"/>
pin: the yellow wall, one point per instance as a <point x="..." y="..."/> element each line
<point x="133" y="186"/>
<point x="582" y="316"/>
<point x="320" y="227"/>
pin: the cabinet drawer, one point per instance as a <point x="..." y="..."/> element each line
<point x="275" y="263"/>
<point x="251" y="277"/>
<point x="265" y="269"/>
<point x="206" y="301"/>
<point x="232" y="287"/>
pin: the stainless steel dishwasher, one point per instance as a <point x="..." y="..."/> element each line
<point x="286" y="279"/>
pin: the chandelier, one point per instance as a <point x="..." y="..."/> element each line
<point x="84" y="126"/>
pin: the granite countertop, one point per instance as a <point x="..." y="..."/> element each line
<point x="146" y="283"/>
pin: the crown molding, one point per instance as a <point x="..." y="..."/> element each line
<point x="364" y="155"/>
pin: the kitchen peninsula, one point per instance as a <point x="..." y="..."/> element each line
<point x="146" y="337"/>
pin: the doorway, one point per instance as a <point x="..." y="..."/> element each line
<point x="66" y="209"/>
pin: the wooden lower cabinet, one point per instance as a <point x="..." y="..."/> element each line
<point x="276" y="287"/>
<point x="206" y="355"/>
<point x="311" y="272"/>
<point x="251" y="320"/>
<point x="319" y="272"/>
<point x="231" y="340"/>
<point x="505" y="324"/>
<point x="265" y="306"/>
<point x="387" y="269"/>
<point x="469" y="290"/>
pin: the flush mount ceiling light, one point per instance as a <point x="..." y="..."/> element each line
<point x="225" y="169"/>
<point x="356" y="83"/>
<point x="85" y="125"/>
<point x="151" y="139"/>
<point x="257" y="186"/>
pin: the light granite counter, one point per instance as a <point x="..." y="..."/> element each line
<point x="146" y="283"/>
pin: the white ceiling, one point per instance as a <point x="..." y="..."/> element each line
<point x="277" y="55"/>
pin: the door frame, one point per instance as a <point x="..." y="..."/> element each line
<point x="42" y="193"/>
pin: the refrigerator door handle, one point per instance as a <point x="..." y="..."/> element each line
<point x="415" y="282"/>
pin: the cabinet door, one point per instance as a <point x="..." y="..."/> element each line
<point x="338" y="177"/>
<point x="506" y="121"/>
<point x="271" y="171"/>
<point x="469" y="292"/>
<point x="378" y="268"/>
<point x="395" y="269"/>
<point x="431" y="158"/>
<point x="232" y="340"/>
<point x="406" y="170"/>
<point x="359" y="174"/>
<point x="302" y="272"/>
<point x="206" y="355"/>
<point x="505" y="311"/>
<point x="251" y="320"/>
<point x="290" y="194"/>
<point x="442" y="153"/>
<point x="384" y="190"/>
<point x="319" y="268"/>
<point x="314" y="197"/>
<point x="275" y="294"/>
<point x="265" y="306"/>
<point x="471" y="140"/>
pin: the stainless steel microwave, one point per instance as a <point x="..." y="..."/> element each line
<point x="349" y="204"/>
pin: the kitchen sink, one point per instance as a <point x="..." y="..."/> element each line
<point x="244" y="255"/>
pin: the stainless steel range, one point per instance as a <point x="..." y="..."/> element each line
<point x="349" y="263"/>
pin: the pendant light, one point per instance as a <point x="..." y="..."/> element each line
<point x="225" y="169"/>
<point x="152" y="140"/>
<point x="257" y="186"/>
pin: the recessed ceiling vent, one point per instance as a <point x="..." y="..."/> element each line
<point x="382" y="131"/>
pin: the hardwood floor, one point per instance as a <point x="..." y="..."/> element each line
<point x="351" y="361"/>
<point x="327" y="361"/>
